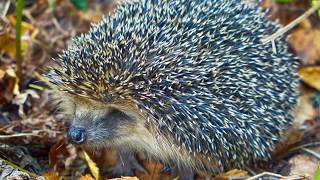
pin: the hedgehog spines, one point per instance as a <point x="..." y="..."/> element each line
<point x="196" y="68"/>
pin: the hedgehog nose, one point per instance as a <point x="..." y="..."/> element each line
<point x="76" y="135"/>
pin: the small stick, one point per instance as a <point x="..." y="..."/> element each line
<point x="23" y="134"/>
<point x="313" y="153"/>
<point x="288" y="27"/>
<point x="316" y="143"/>
<point x="17" y="135"/>
<point x="5" y="9"/>
<point x="293" y="177"/>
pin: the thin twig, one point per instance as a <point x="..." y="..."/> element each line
<point x="288" y="27"/>
<point x="313" y="153"/>
<point x="17" y="135"/>
<point x="317" y="143"/>
<point x="293" y="177"/>
<point x="252" y="173"/>
<point x="5" y="9"/>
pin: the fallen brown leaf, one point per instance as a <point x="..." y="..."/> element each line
<point x="232" y="174"/>
<point x="2" y="73"/>
<point x="311" y="75"/>
<point x="306" y="43"/>
<point x="55" y="150"/>
<point x="86" y="177"/>
<point x="92" y="165"/>
<point x="52" y="176"/>
<point x="11" y="72"/>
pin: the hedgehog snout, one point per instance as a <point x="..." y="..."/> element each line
<point x="76" y="135"/>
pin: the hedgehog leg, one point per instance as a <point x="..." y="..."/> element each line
<point x="126" y="165"/>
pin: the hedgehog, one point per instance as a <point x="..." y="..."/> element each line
<point x="186" y="83"/>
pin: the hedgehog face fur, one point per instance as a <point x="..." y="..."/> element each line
<point x="180" y="79"/>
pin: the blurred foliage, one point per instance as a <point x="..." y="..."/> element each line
<point x="316" y="100"/>
<point x="317" y="174"/>
<point x="283" y="1"/>
<point x="313" y="3"/>
<point x="80" y="4"/>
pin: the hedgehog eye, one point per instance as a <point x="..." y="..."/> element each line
<point x="117" y="115"/>
<point x="74" y="107"/>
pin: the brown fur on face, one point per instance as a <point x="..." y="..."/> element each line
<point x="133" y="133"/>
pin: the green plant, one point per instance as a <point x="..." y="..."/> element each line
<point x="18" y="37"/>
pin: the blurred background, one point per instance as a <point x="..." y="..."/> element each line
<point x="32" y="132"/>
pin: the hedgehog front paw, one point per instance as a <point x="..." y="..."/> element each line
<point x="126" y="165"/>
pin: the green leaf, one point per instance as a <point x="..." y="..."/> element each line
<point x="80" y="4"/>
<point x="317" y="174"/>
<point x="314" y="3"/>
<point x="18" y="36"/>
<point x="283" y="1"/>
<point x="34" y="86"/>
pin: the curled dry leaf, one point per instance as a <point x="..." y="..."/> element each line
<point x="52" y="176"/>
<point x="55" y="150"/>
<point x="154" y="170"/>
<point x="2" y="73"/>
<point x="306" y="43"/>
<point x="92" y="165"/>
<point x="304" y="110"/>
<point x="10" y="71"/>
<point x="86" y="177"/>
<point x="234" y="173"/>
<point x="311" y="76"/>
<point x="7" y="40"/>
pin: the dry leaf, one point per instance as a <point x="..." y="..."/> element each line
<point x="154" y="170"/>
<point x="7" y="41"/>
<point x="26" y="27"/>
<point x="86" y="177"/>
<point x="10" y="71"/>
<point x="306" y="43"/>
<point x="52" y="176"/>
<point x="8" y="45"/>
<point x="55" y="150"/>
<point x="232" y="174"/>
<point x="292" y="136"/>
<point x="21" y="98"/>
<point x="92" y="165"/>
<point x="304" y="110"/>
<point x="125" y="178"/>
<point x="303" y="164"/>
<point x="2" y="73"/>
<point x="311" y="76"/>
<point x="92" y="16"/>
